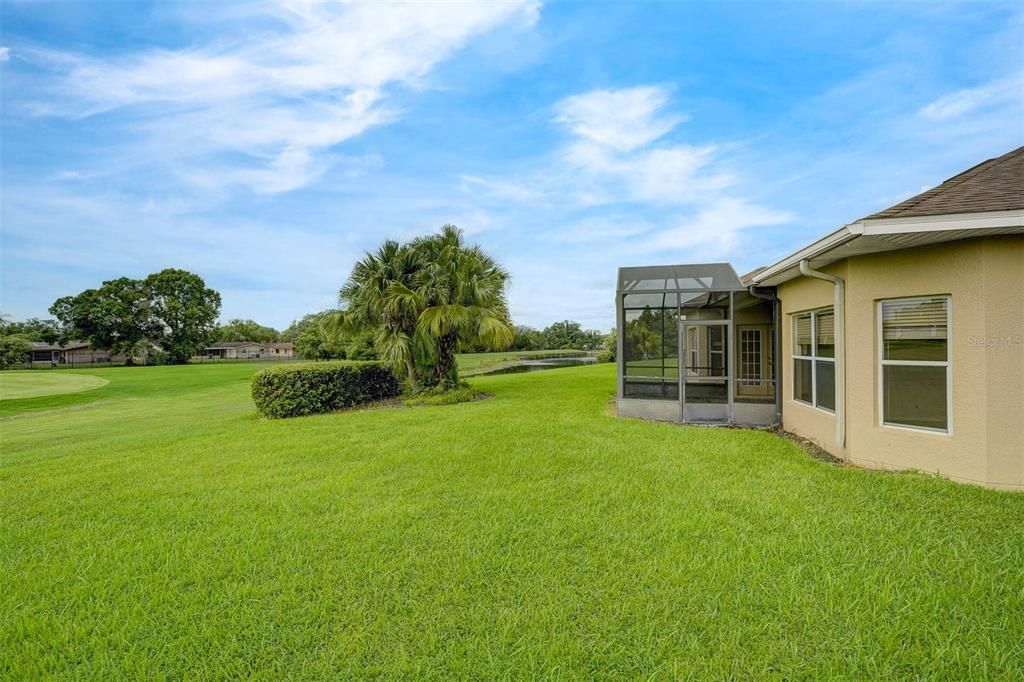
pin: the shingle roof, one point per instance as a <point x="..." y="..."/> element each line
<point x="234" y="344"/>
<point x="993" y="185"/>
<point x="71" y="345"/>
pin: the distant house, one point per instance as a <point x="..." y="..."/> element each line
<point x="896" y="341"/>
<point x="71" y="353"/>
<point x="249" y="350"/>
<point x="283" y="350"/>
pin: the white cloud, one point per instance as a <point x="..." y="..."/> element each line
<point x="280" y="98"/>
<point x="499" y="189"/>
<point x="5" y="54"/>
<point x="619" y="119"/>
<point x="718" y="224"/>
<point x="616" y="153"/>
<point x="71" y="175"/>
<point x="602" y="229"/>
<point x="292" y="268"/>
<point x="618" y="191"/>
<point x="997" y="93"/>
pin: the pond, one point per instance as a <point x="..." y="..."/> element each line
<point x="538" y="365"/>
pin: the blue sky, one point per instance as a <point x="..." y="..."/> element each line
<point x="266" y="146"/>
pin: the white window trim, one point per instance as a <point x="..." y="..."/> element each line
<point x="948" y="364"/>
<point x="814" y="359"/>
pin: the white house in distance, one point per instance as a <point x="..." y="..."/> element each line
<point x="249" y="350"/>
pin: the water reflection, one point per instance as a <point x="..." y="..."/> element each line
<point x="538" y="365"/>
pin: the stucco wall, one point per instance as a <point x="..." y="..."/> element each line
<point x="1003" y="350"/>
<point x="985" y="279"/>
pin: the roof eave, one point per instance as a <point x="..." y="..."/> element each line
<point x="944" y="221"/>
<point x="788" y="268"/>
<point x="782" y="270"/>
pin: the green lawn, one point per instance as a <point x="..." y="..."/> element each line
<point x="154" y="528"/>
<point x="30" y="384"/>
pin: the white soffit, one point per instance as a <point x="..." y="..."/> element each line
<point x="866" y="237"/>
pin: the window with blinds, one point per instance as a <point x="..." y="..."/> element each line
<point x="825" y="334"/>
<point x="915" y="329"/>
<point x="914" y="376"/>
<point x="814" y="358"/>
<point x="802" y="335"/>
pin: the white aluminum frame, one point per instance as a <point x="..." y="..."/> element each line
<point x="948" y="364"/>
<point x="729" y="369"/>
<point x="814" y="358"/>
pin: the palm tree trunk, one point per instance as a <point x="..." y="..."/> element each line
<point x="445" y="369"/>
<point x="410" y="367"/>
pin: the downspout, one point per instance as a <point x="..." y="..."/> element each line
<point x="766" y="294"/>
<point x="839" y="298"/>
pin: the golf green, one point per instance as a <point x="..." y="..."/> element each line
<point x="14" y="385"/>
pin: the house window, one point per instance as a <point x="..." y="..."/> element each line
<point x="750" y="357"/>
<point x="914" y="374"/>
<point x="814" y="358"/>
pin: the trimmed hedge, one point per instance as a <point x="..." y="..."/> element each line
<point x="295" y="390"/>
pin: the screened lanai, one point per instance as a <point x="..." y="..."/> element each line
<point x="696" y="345"/>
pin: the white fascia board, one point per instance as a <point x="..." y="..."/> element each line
<point x="940" y="223"/>
<point x="809" y="252"/>
<point x="884" y="226"/>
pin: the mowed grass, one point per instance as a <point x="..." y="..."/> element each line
<point x="163" y="531"/>
<point x="30" y="384"/>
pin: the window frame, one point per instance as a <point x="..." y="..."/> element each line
<point x="813" y="358"/>
<point x="947" y="364"/>
<point x="694" y="348"/>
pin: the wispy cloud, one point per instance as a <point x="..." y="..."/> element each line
<point x="718" y="225"/>
<point x="618" y="153"/>
<point x="280" y="97"/>
<point x="999" y="93"/>
<point x="621" y="119"/>
<point x="264" y="145"/>
<point x="614" y="150"/>
<point x="292" y="264"/>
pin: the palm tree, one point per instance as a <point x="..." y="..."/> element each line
<point x="424" y="301"/>
<point x="460" y="293"/>
<point x="369" y="303"/>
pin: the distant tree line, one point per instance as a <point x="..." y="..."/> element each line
<point x="166" y="317"/>
<point x="33" y="329"/>
<point x="316" y="339"/>
<point x="246" y="330"/>
<point x="566" y="334"/>
<point x="313" y="339"/>
<point x="171" y="316"/>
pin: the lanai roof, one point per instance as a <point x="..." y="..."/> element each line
<point x="699" y="277"/>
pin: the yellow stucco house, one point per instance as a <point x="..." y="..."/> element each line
<point x="896" y="341"/>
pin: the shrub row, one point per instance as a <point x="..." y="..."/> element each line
<point x="295" y="390"/>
